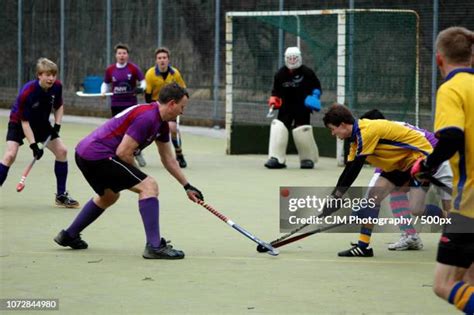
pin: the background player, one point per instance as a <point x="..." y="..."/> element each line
<point x="105" y="158"/>
<point x="454" y="127"/>
<point x="121" y="79"/>
<point x="296" y="92"/>
<point x="160" y="74"/>
<point x="29" y="117"/>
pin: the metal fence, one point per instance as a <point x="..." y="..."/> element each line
<point x="79" y="36"/>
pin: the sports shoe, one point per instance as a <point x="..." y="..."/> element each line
<point x="181" y="161"/>
<point x="306" y="164"/>
<point x="357" y="251"/>
<point x="407" y="242"/>
<point x="66" y="201"/>
<point x="165" y="251"/>
<point x="140" y="159"/>
<point x="64" y="239"/>
<point x="273" y="163"/>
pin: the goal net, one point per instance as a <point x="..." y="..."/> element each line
<point x="364" y="59"/>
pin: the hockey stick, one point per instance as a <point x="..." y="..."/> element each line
<point x="82" y="94"/>
<point x="21" y="184"/>
<point x="441" y="185"/>
<point x="272" y="251"/>
<point x="278" y="243"/>
<point x="178" y="135"/>
<point x="270" y="112"/>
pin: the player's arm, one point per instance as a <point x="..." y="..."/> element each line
<point x="149" y="85"/>
<point x="25" y="125"/>
<point x="275" y="100"/>
<point x="179" y="79"/>
<point x="126" y="148"/>
<point x="166" y="151"/>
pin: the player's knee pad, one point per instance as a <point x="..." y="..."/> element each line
<point x="278" y="141"/>
<point x="305" y="143"/>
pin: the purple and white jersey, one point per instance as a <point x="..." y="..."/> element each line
<point x="141" y="122"/>
<point x="427" y="134"/>
<point x="123" y="81"/>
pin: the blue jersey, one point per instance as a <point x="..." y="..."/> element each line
<point x="141" y="122"/>
<point x="34" y="104"/>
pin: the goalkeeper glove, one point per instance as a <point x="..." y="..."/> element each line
<point x="312" y="101"/>
<point x="275" y="102"/>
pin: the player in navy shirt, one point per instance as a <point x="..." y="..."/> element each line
<point x="105" y="158"/>
<point x="121" y="79"/>
<point x="29" y="118"/>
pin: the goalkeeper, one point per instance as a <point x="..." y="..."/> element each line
<point x="296" y="94"/>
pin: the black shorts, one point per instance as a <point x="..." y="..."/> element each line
<point x="41" y="132"/>
<point x="402" y="178"/>
<point x="112" y="173"/>
<point x="457" y="249"/>
<point x="292" y="116"/>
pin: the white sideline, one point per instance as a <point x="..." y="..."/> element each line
<point x="200" y="131"/>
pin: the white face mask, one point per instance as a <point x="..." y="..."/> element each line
<point x="293" y="59"/>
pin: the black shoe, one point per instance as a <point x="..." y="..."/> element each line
<point x="165" y="251"/>
<point x="64" y="239"/>
<point x="181" y="161"/>
<point x="357" y="251"/>
<point x="66" y="201"/>
<point x="306" y="164"/>
<point x="273" y="163"/>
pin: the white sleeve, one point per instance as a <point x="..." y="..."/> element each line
<point x="143" y="84"/>
<point x="105" y="87"/>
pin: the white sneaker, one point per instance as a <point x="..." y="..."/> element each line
<point x="140" y="159"/>
<point x="407" y="242"/>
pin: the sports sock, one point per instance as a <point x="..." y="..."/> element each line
<point x="433" y="211"/>
<point x="149" y="210"/>
<point x="401" y="209"/>
<point x="3" y="173"/>
<point x="462" y="296"/>
<point x="365" y="234"/>
<point x="89" y="213"/>
<point x="60" y="169"/>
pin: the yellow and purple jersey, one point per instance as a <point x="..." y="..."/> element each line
<point x="155" y="80"/>
<point x="141" y="122"/>
<point x="455" y="109"/>
<point x="387" y="145"/>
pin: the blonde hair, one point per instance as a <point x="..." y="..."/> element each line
<point x="45" y="65"/>
<point x="456" y="45"/>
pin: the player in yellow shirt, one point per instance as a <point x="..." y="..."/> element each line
<point x="454" y="127"/>
<point x="388" y="145"/>
<point x="161" y="74"/>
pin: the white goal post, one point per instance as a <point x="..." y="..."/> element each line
<point x="342" y="24"/>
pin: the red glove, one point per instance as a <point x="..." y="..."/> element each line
<point x="275" y="102"/>
<point x="420" y="171"/>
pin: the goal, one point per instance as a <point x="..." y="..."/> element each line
<point x="364" y="58"/>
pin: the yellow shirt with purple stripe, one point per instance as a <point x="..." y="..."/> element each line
<point x="387" y="145"/>
<point x="455" y="109"/>
<point x="155" y="81"/>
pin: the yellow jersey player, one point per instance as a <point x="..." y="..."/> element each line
<point x="161" y="74"/>
<point x="388" y="145"/>
<point x="454" y="127"/>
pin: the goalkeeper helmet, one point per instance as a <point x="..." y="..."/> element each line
<point x="293" y="59"/>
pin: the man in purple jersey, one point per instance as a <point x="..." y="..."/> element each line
<point x="121" y="79"/>
<point x="105" y="158"/>
<point x="29" y="117"/>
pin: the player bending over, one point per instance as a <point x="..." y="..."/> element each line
<point x="105" y="158"/>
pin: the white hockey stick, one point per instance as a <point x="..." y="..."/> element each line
<point x="82" y="94"/>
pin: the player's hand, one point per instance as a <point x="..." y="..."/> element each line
<point x="275" y="102"/>
<point x="55" y="131"/>
<point x="421" y="172"/>
<point x="37" y="152"/>
<point x="193" y="193"/>
<point x="312" y="101"/>
<point x="139" y="90"/>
